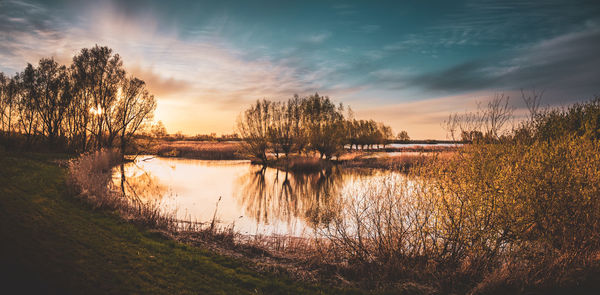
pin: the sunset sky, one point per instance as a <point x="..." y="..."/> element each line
<point x="406" y="63"/>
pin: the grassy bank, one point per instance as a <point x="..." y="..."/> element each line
<point x="53" y="242"/>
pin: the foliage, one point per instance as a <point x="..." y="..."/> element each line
<point x="403" y="136"/>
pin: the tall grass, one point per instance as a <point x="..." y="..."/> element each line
<point x="402" y="162"/>
<point x="198" y="150"/>
<point x="91" y="177"/>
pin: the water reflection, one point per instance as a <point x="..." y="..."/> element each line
<point x="270" y="195"/>
<point x="141" y="185"/>
<point x="254" y="199"/>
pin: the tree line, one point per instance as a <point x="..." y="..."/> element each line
<point x="302" y="125"/>
<point x="90" y="104"/>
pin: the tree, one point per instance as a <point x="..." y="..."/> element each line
<point x="134" y="107"/>
<point x="403" y="136"/>
<point x="100" y="74"/>
<point x="325" y="124"/>
<point x="253" y="127"/>
<point x="158" y="130"/>
<point x="90" y="97"/>
<point x="28" y="89"/>
<point x="489" y="122"/>
<point x="52" y="96"/>
<point x="281" y="129"/>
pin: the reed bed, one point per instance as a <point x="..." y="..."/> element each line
<point x="417" y="149"/>
<point x="300" y="164"/>
<point x="207" y="150"/>
<point x="402" y="162"/>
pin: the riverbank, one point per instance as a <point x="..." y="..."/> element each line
<point x="54" y="242"/>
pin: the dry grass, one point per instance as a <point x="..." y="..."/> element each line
<point x="400" y="162"/>
<point x="300" y="164"/>
<point x="421" y="149"/>
<point x="207" y="150"/>
<point x="91" y="177"/>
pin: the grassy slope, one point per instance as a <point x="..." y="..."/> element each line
<point x="51" y="242"/>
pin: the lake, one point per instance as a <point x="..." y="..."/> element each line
<point x="255" y="200"/>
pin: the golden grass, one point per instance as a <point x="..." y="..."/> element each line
<point x="208" y="150"/>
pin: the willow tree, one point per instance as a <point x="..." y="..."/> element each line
<point x="284" y="128"/>
<point x="253" y="127"/>
<point x="325" y="125"/>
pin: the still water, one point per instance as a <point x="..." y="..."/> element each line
<point x="253" y="199"/>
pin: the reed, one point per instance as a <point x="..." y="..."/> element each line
<point x="402" y="162"/>
<point x="207" y="150"/>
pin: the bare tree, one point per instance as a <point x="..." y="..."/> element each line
<point x="533" y="102"/>
<point x="53" y="97"/>
<point x="497" y="114"/>
<point x="134" y="108"/>
<point x="100" y="74"/>
<point x="486" y="122"/>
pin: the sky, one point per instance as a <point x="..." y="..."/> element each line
<point x="408" y="64"/>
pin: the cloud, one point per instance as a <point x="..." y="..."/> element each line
<point x="564" y="65"/>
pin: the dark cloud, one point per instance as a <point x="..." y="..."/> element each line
<point x="565" y="65"/>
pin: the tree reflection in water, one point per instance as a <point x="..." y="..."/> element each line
<point x="269" y="195"/>
<point x="137" y="183"/>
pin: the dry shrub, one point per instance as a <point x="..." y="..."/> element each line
<point x="508" y="216"/>
<point x="90" y="174"/>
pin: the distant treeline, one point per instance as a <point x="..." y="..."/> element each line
<point x="306" y="124"/>
<point x="89" y="104"/>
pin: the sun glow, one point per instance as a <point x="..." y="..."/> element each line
<point x="97" y="111"/>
